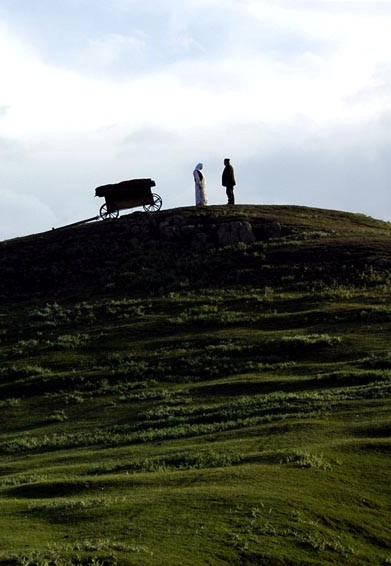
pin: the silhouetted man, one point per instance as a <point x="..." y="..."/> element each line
<point x="228" y="180"/>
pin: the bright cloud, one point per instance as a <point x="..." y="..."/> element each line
<point x="116" y="89"/>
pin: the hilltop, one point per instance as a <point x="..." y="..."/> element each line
<point x="197" y="387"/>
<point x="193" y="247"/>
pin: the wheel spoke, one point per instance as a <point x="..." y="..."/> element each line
<point x="105" y="214"/>
<point x="156" y="205"/>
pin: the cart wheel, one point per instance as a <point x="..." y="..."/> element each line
<point x="157" y="204"/>
<point x="105" y="214"/>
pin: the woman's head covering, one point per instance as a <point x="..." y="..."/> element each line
<point x="199" y="166"/>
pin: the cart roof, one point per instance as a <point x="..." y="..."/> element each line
<point x="133" y="186"/>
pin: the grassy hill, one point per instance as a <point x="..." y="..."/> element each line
<point x="197" y="387"/>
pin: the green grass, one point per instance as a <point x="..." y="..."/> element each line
<point x="238" y="424"/>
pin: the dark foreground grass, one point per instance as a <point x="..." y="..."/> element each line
<point x="235" y="426"/>
<point x="194" y="435"/>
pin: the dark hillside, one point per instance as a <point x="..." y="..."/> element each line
<point x="197" y="387"/>
<point x="174" y="249"/>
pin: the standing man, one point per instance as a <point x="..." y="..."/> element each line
<point x="228" y="180"/>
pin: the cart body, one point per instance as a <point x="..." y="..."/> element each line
<point x="128" y="194"/>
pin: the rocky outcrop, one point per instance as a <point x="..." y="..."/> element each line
<point x="100" y="254"/>
<point x="242" y="245"/>
<point x="196" y="233"/>
<point x="233" y="233"/>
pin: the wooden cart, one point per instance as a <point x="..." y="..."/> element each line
<point x="128" y="194"/>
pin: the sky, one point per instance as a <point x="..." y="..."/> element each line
<point x="297" y="93"/>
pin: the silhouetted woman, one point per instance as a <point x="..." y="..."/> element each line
<point x="201" y="196"/>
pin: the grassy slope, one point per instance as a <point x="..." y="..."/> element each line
<point x="244" y="423"/>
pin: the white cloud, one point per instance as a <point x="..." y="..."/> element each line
<point x="150" y="89"/>
<point x="261" y="86"/>
<point x="111" y="50"/>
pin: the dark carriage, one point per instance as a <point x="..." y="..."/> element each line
<point x="128" y="194"/>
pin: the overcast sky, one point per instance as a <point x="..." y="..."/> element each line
<point x="296" y="92"/>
